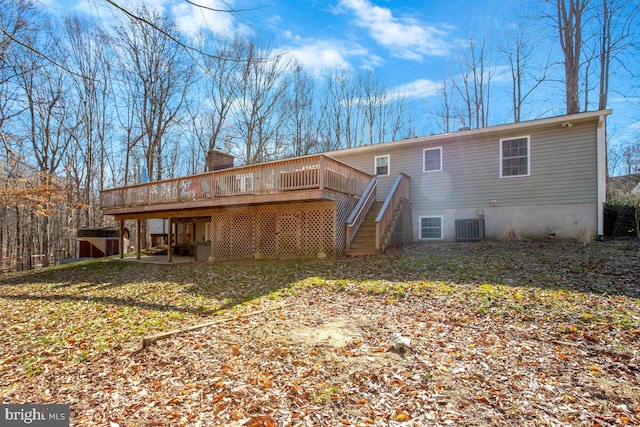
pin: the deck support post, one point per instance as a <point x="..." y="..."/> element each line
<point x="170" y="241"/>
<point x="121" y="238"/>
<point x="138" y="238"/>
<point x="192" y="249"/>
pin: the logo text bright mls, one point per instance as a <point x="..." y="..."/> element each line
<point x="34" y="415"/>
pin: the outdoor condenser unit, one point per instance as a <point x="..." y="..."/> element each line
<point x="469" y="230"/>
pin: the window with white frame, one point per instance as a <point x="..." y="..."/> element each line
<point x="514" y="157"/>
<point x="244" y="182"/>
<point x="381" y="165"/>
<point x="431" y="228"/>
<point x="432" y="159"/>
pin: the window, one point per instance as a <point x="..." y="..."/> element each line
<point x="514" y="157"/>
<point x="244" y="182"/>
<point x="430" y="227"/>
<point x="432" y="159"/>
<point x="382" y="165"/>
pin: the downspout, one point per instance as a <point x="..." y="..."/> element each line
<point x="601" y="141"/>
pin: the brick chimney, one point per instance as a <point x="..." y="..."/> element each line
<point x="217" y="160"/>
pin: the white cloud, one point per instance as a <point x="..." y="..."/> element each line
<point x="191" y="19"/>
<point x="93" y="8"/>
<point x="320" y="55"/>
<point x="317" y="56"/>
<point x="405" y="37"/>
<point x="421" y="88"/>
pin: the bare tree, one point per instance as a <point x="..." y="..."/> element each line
<point x="18" y="22"/>
<point x="398" y="118"/>
<point x="444" y="113"/>
<point x="569" y="20"/>
<point x="473" y="84"/>
<point x="50" y="126"/>
<point x="157" y="67"/>
<point x="618" y="24"/>
<point x="303" y="127"/>
<point x="126" y="111"/>
<point x="217" y="93"/>
<point x="344" y="110"/>
<point x="631" y="156"/>
<point x="222" y="83"/>
<point x="373" y="102"/>
<point x="88" y="55"/>
<point x="259" y="115"/>
<point x="520" y="46"/>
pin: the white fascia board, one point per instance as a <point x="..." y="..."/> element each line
<point x="527" y="126"/>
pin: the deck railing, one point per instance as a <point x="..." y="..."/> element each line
<point x="357" y="216"/>
<point x="302" y="173"/>
<point x="399" y="191"/>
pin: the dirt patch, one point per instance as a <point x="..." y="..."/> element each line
<point x="336" y="333"/>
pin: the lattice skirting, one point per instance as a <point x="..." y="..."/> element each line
<point x="402" y="234"/>
<point x="288" y="230"/>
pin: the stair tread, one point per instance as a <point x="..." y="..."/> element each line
<point x="366" y="236"/>
<point x="364" y="242"/>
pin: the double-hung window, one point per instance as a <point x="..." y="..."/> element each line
<point x="431" y="228"/>
<point x="432" y="159"/>
<point x="381" y="165"/>
<point x="244" y="182"/>
<point x="515" y="157"/>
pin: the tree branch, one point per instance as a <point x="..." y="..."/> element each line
<point x="45" y="56"/>
<point x="220" y="10"/>
<point x="169" y="35"/>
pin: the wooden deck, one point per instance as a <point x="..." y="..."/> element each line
<point x="315" y="177"/>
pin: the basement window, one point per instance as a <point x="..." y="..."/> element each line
<point x="431" y="228"/>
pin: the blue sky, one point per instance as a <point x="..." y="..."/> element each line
<point x="410" y="45"/>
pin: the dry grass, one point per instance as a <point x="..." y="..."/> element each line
<point x="503" y="333"/>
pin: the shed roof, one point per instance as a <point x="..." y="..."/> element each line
<point x="99" y="232"/>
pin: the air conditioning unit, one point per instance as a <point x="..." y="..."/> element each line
<point x="469" y="230"/>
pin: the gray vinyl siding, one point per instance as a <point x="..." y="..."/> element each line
<point x="562" y="169"/>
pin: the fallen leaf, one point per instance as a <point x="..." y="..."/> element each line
<point x="595" y="369"/>
<point x="402" y="416"/>
<point x="261" y="421"/>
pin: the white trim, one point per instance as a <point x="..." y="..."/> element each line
<point x="511" y="138"/>
<point x="601" y="144"/>
<point x="424" y="169"/>
<point x="441" y="217"/>
<point x="375" y="164"/>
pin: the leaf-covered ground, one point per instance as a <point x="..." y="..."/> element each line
<point x="502" y="333"/>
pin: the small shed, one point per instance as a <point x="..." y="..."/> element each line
<point x="98" y="242"/>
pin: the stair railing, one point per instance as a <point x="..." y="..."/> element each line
<point x="399" y="191"/>
<point x="359" y="212"/>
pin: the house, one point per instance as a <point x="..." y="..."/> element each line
<point x="535" y="178"/>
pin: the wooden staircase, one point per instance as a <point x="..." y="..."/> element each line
<point x="364" y="243"/>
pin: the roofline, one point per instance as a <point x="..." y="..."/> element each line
<point x="578" y="117"/>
